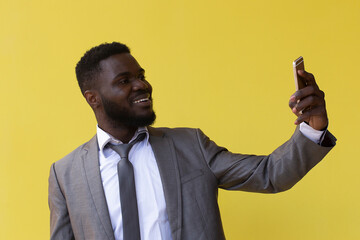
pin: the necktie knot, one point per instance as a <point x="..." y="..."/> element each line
<point x="124" y="149"/>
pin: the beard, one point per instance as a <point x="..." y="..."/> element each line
<point x="121" y="115"/>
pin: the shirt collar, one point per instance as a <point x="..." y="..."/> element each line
<point x="104" y="137"/>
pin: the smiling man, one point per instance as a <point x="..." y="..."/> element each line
<point x="133" y="181"/>
<point x="121" y="97"/>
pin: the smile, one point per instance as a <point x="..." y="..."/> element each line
<point x="142" y="100"/>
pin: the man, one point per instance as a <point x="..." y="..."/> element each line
<point x="176" y="172"/>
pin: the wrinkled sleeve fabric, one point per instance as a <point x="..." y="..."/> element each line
<point x="276" y="172"/>
<point x="60" y="226"/>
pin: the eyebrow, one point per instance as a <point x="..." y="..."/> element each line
<point x="141" y="70"/>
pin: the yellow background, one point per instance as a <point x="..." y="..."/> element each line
<point x="223" y="66"/>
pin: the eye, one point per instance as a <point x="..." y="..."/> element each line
<point x="123" y="81"/>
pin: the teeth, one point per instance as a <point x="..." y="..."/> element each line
<point x="141" y="100"/>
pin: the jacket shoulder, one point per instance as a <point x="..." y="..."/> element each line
<point x="173" y="132"/>
<point x="74" y="156"/>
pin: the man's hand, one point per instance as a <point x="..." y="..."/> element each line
<point x="308" y="103"/>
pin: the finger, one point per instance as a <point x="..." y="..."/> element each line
<point x="307" y="91"/>
<point x="305" y="117"/>
<point x="308" y="77"/>
<point x="292" y="104"/>
<point x="308" y="102"/>
<point x="292" y="101"/>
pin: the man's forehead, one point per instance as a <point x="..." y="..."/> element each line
<point x="120" y="61"/>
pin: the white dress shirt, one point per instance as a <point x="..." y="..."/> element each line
<point x="314" y="135"/>
<point x="153" y="219"/>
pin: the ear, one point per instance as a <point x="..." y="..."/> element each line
<point x="93" y="98"/>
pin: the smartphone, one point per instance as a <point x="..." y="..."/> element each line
<point x="298" y="64"/>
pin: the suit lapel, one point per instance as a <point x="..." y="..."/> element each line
<point x="90" y="160"/>
<point x="166" y="160"/>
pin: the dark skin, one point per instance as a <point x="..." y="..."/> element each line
<point x="310" y="100"/>
<point x="122" y="82"/>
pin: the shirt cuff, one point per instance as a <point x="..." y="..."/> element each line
<point x="314" y="135"/>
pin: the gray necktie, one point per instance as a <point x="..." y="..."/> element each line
<point x="129" y="208"/>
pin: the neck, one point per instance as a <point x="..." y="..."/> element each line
<point x="120" y="132"/>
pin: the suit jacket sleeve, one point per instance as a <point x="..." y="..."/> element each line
<point x="276" y="172"/>
<point x="60" y="226"/>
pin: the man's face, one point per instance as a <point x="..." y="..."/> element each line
<point x="125" y="94"/>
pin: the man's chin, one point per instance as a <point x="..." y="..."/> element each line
<point x="141" y="121"/>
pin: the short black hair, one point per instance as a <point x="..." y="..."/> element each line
<point x="88" y="66"/>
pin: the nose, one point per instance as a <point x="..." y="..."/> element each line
<point x="140" y="84"/>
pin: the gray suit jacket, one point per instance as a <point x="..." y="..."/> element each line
<point x="192" y="167"/>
